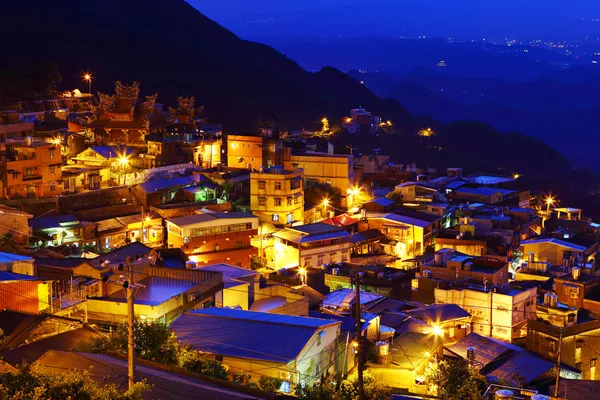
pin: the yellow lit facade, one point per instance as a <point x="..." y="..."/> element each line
<point x="245" y="151"/>
<point x="336" y="170"/>
<point x="277" y="195"/>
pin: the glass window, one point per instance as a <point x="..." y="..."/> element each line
<point x="277" y="201"/>
<point x="51" y="151"/>
<point x="262" y="201"/>
<point x="551" y="345"/>
<point x="290" y="218"/>
<point x="320" y="259"/>
<point x="593" y="363"/>
<point x="262" y="184"/>
<point x="51" y="169"/>
<point x="579" y="344"/>
<point x="277" y="185"/>
<point x="275" y="217"/>
<point x="307" y="261"/>
<point x="239" y="244"/>
<point x="216" y="247"/>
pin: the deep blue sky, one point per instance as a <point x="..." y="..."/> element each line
<point x="462" y="19"/>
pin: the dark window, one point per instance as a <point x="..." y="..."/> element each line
<point x="593" y="363"/>
<point x="277" y="185"/>
<point x="262" y="184"/>
<point x="551" y="345"/>
<point x="216" y="247"/>
<point x="579" y="344"/>
<point x="277" y="201"/>
<point x="239" y="244"/>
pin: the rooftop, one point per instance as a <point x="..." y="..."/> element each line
<point x="483" y="179"/>
<point x="344" y="298"/>
<point x="439" y="313"/>
<point x="155" y="292"/>
<point x="113" y="151"/>
<point x="11" y="277"/>
<point x="555" y="241"/>
<point x="247" y="334"/>
<point x="207" y="217"/>
<point x="10" y="257"/>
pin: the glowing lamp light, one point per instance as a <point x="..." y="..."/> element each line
<point x="549" y="201"/>
<point x="87" y="77"/>
<point x="516" y="176"/>
<point x="143" y="317"/>
<point x="147" y="219"/>
<point x="354" y="343"/>
<point x="348" y="120"/>
<point x="326" y="203"/>
<point x="437" y="331"/>
<point x="123" y="161"/>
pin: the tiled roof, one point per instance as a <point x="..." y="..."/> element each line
<point x="247" y="334"/>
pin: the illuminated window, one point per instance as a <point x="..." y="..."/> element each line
<point x="289" y="201"/>
<point x="275" y="217"/>
<point x="216" y="247"/>
<point x="290" y="218"/>
<point x="51" y="153"/>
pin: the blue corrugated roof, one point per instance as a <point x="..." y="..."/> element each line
<point x="154" y="185"/>
<point x="439" y="313"/>
<point x="480" y="191"/>
<point x="10" y="276"/>
<point x="10" y="257"/>
<point x="247" y="334"/>
<point x="558" y="242"/>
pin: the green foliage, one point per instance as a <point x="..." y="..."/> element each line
<point x="257" y="263"/>
<point x="28" y="82"/>
<point x="455" y="380"/>
<point x="154" y="341"/>
<point x="27" y="384"/>
<point x="394" y="196"/>
<point x="346" y="390"/>
<point x="269" y="384"/>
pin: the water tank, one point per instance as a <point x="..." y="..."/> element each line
<point x="547" y="297"/>
<point x="427" y="274"/>
<point x="576" y="273"/>
<point x="335" y="271"/>
<point x="504" y="394"/>
<point x="29" y="140"/>
<point x="383" y="352"/>
<point x="438" y="259"/>
<point x="190" y="264"/>
<point x="531" y="257"/>
<point x="553" y="300"/>
<point x="471" y="352"/>
<point x="380" y="275"/>
<point x="468" y="266"/>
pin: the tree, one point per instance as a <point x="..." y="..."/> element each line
<point x="269" y="384"/>
<point x="27" y="384"/>
<point x="346" y="390"/>
<point x="455" y="379"/>
<point x="394" y="196"/>
<point x="154" y="341"/>
<point x="257" y="263"/>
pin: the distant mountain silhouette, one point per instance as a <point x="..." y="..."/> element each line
<point x="172" y="49"/>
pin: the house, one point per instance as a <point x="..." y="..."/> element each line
<point x="81" y="177"/>
<point x="11" y="262"/>
<point x="409" y="355"/>
<point x="377" y="279"/>
<point x="298" y="350"/>
<point x="254" y="151"/>
<point x="163" y="293"/>
<point x="502" y="361"/>
<point x="64" y="230"/>
<point x="237" y="179"/>
<point x="163" y="151"/>
<point x="500" y="312"/>
<point x="103" y="156"/>
<point x="31" y="169"/>
<point x="555" y="250"/>
<point x="24" y="293"/>
<point x="15" y="223"/>
<point x="485" y="195"/>
<point x="335" y="170"/>
<point x="215" y="237"/>
<point x="408" y="235"/>
<point x="243" y="289"/>
<point x="311" y="245"/>
<point x="277" y="195"/>
<point x="451" y="265"/>
<point x="160" y="190"/>
<point x="577" y="389"/>
<point x="379" y="205"/>
<point x="446" y="320"/>
<point x="342" y="301"/>
<point x="416" y="192"/>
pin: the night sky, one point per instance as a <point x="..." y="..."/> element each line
<point x="462" y="19"/>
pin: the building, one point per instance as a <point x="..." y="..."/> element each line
<point x="574" y="336"/>
<point x="14" y="224"/>
<point x="298" y="350"/>
<point x="335" y="170"/>
<point x="215" y="237"/>
<point x="416" y="192"/>
<point x="311" y="245"/>
<point x="500" y="312"/>
<point x="277" y="195"/>
<point x="408" y="235"/>
<point x="78" y="178"/>
<point x="122" y="119"/>
<point x="451" y="265"/>
<point x="24" y="293"/>
<point x="64" y="230"/>
<point x="254" y="151"/>
<point x="31" y="169"/>
<point x="18" y="264"/>
<point x="15" y="131"/>
<point x="448" y="321"/>
<point x="557" y="250"/>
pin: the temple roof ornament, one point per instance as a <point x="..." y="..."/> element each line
<point x="127" y="92"/>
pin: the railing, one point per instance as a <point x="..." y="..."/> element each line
<point x="65" y="301"/>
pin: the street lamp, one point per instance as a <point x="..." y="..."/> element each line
<point x="549" y="202"/>
<point x="123" y="162"/>
<point x="302" y="273"/>
<point x="437" y="331"/>
<point x="88" y="79"/>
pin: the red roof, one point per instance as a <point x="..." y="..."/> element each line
<point x="341" y="220"/>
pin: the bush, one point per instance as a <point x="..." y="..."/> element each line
<point x="269" y="384"/>
<point x="27" y="384"/>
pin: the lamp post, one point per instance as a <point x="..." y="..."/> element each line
<point x="123" y="161"/>
<point x="88" y="79"/>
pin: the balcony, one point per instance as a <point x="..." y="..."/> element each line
<point x="34" y="177"/>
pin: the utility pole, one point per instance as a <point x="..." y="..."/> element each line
<point x="130" y="314"/>
<point x="558" y="362"/>
<point x="359" y="338"/>
<point x="142" y="236"/>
